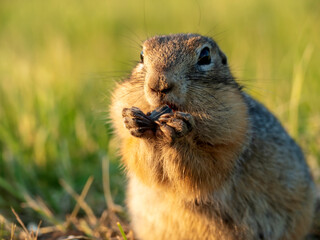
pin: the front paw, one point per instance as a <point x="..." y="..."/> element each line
<point x="175" y="125"/>
<point x="139" y="124"/>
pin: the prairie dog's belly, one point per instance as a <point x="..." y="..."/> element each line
<point x="155" y="215"/>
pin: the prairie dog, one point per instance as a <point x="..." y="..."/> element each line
<point x="215" y="164"/>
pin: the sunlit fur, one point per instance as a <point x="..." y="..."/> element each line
<point x="236" y="175"/>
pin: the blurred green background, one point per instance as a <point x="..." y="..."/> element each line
<point x="59" y="61"/>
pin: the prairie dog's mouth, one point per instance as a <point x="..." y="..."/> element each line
<point x="173" y="106"/>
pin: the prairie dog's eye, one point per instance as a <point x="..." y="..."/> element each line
<point x="141" y="57"/>
<point x="204" y="57"/>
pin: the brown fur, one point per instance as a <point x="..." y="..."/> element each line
<point x="230" y="176"/>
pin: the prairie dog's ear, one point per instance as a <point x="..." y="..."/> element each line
<point x="223" y="57"/>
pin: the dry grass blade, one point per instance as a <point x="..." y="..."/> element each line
<point x="29" y="237"/>
<point x="40" y="207"/>
<point x="106" y="186"/>
<point x="83" y="226"/>
<point x="76" y="238"/>
<point x="82" y="196"/>
<point x="44" y="207"/>
<point x="49" y="229"/>
<point x="13" y="229"/>
<point x="38" y="229"/>
<point x="80" y="200"/>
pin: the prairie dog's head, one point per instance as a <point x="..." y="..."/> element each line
<point x="174" y="67"/>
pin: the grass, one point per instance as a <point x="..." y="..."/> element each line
<point x="121" y="231"/>
<point x="58" y="64"/>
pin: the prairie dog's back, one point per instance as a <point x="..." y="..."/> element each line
<point x="216" y="164"/>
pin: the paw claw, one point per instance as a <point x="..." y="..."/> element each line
<point x="137" y="122"/>
<point x="175" y="125"/>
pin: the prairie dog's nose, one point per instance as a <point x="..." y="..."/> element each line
<point x="159" y="84"/>
<point x="161" y="88"/>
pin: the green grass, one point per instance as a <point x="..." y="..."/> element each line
<point x="59" y="60"/>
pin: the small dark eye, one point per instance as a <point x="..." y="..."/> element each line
<point x="204" y="58"/>
<point x="141" y="57"/>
